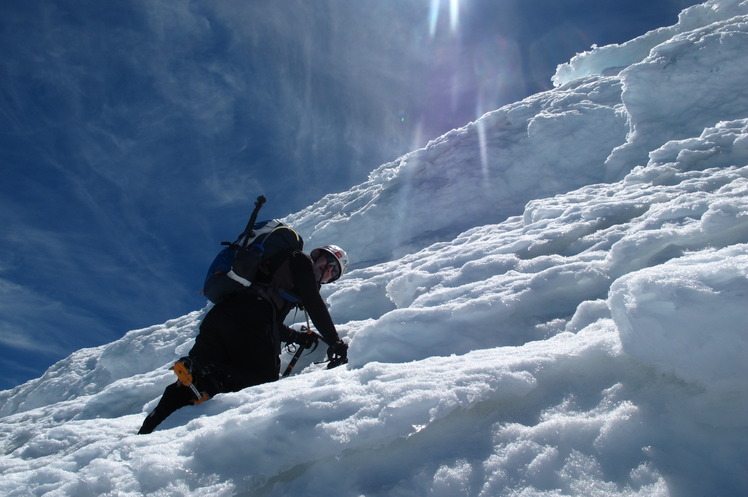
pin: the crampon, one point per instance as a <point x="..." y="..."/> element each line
<point x="183" y="369"/>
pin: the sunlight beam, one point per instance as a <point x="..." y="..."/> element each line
<point x="433" y="17"/>
<point x="454" y="15"/>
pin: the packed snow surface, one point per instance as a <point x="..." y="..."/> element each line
<point x="549" y="301"/>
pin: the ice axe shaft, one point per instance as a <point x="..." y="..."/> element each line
<point x="248" y="234"/>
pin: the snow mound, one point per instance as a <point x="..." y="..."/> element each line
<point x="611" y="59"/>
<point x="683" y="317"/>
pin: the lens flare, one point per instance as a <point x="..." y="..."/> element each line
<point x="433" y="17"/>
<point x="454" y="16"/>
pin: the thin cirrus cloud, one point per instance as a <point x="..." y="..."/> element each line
<point x="135" y="135"/>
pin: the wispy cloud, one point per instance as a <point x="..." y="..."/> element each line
<point x="135" y="135"/>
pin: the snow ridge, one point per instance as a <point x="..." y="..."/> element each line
<point x="549" y="301"/>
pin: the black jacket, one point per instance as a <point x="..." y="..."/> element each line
<point x="294" y="283"/>
<point x="241" y="336"/>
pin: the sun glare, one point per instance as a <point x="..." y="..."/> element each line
<point x="454" y="15"/>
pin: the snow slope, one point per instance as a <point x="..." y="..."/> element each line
<point x="549" y="301"/>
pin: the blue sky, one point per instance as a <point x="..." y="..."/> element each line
<point x="134" y="136"/>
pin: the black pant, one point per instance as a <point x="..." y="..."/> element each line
<point x="237" y="347"/>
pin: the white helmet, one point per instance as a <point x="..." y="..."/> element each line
<point x="336" y="252"/>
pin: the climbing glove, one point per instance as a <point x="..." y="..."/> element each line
<point x="337" y="354"/>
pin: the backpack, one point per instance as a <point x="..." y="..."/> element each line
<point x="255" y="255"/>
